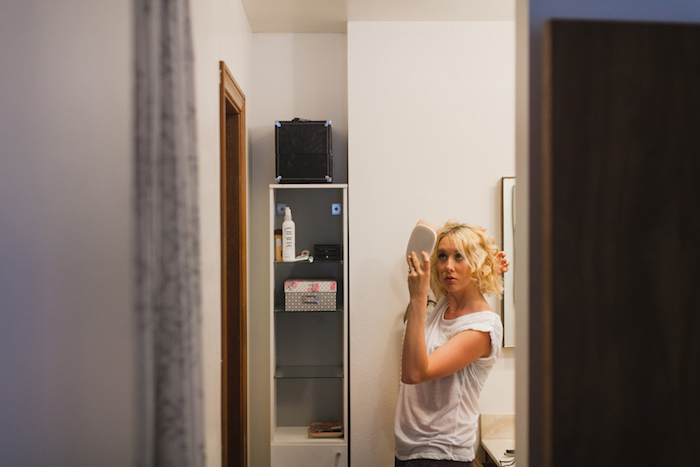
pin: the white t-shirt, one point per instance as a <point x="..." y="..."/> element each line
<point x="438" y="419"/>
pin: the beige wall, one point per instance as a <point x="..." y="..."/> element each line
<point x="65" y="194"/>
<point x="66" y="330"/>
<point x="461" y="77"/>
<point x="67" y="337"/>
<point x="220" y="32"/>
<point x="431" y="124"/>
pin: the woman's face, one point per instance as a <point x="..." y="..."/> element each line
<point x="452" y="266"/>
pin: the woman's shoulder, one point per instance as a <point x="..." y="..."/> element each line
<point x="486" y="318"/>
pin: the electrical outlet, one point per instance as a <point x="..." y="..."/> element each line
<point x="280" y="209"/>
<point x="336" y="209"/>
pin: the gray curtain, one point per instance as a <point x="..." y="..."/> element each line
<point x="167" y="288"/>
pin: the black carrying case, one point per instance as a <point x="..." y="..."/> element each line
<point x="324" y="252"/>
<point x="303" y="151"/>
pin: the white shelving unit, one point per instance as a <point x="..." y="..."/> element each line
<point x="309" y="364"/>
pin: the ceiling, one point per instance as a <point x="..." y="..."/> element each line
<point x="331" y="16"/>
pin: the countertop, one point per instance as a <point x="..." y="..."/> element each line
<point x="498" y="435"/>
<point x="496" y="449"/>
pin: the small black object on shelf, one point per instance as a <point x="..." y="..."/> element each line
<point x="303" y="151"/>
<point x="326" y="252"/>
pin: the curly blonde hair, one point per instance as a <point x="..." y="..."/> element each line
<point x="478" y="248"/>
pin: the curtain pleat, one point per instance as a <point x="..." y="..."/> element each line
<point x="168" y="302"/>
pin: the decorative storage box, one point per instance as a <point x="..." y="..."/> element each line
<point x="310" y="295"/>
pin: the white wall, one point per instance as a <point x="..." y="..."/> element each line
<point x="66" y="336"/>
<point x="66" y="340"/>
<point x="304" y="75"/>
<point x="431" y="124"/>
<point x="220" y="32"/>
<point x="294" y="75"/>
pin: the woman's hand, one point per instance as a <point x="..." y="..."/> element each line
<point x="419" y="276"/>
<point x="502" y="264"/>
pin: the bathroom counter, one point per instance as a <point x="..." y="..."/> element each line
<point x="498" y="435"/>
<point x="496" y="448"/>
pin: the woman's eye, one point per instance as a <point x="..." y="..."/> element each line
<point x="441" y="256"/>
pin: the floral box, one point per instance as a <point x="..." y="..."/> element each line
<point x="310" y="295"/>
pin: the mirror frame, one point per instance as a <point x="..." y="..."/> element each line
<point x="508" y="245"/>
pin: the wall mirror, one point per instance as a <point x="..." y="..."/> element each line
<point x="508" y="238"/>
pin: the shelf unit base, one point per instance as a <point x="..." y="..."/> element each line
<point x="295" y="435"/>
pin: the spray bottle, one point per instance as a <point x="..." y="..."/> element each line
<point x="288" y="236"/>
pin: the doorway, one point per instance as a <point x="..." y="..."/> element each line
<point x="234" y="382"/>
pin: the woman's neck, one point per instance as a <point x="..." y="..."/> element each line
<point x="465" y="302"/>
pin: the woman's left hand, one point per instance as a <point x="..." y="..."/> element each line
<point x="419" y="276"/>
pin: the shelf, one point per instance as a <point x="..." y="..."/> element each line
<point x="300" y="435"/>
<point x="277" y="263"/>
<point x="283" y="311"/>
<point x="308" y="352"/>
<point x="308" y="372"/>
<point x="314" y="186"/>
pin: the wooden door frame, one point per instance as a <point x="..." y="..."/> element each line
<point x="234" y="355"/>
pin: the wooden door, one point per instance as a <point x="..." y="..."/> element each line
<point x="615" y="350"/>
<point x="234" y="379"/>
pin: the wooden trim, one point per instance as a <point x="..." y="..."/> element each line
<point x="545" y="390"/>
<point x="234" y="381"/>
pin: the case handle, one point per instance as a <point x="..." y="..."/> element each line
<point x="311" y="299"/>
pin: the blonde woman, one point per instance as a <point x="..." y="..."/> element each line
<point x="447" y="356"/>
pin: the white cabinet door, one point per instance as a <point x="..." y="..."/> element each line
<point x="309" y="456"/>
